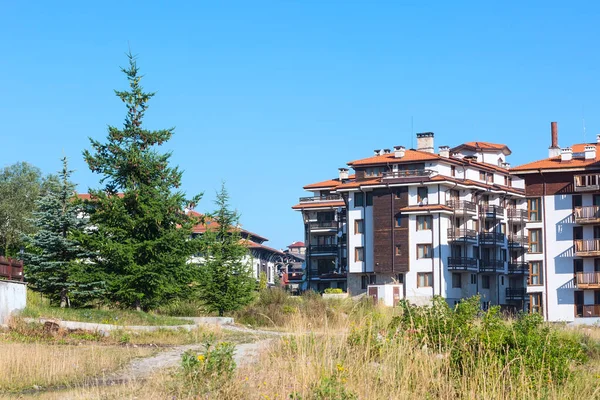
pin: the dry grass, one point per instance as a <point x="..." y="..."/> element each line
<point x="36" y="364"/>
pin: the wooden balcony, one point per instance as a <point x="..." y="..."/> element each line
<point x="587" y="215"/>
<point x="587" y="248"/>
<point x="586" y="182"/>
<point x="329" y="197"/>
<point x="11" y="269"/>
<point x="587" y="311"/>
<point x="515" y="214"/>
<point x="462" y="206"/>
<point x="456" y="234"/>
<point x="408" y="174"/>
<point x="516" y="240"/>
<point x="462" y="264"/>
<point x="587" y="280"/>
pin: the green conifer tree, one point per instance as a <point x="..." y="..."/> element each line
<point x="226" y="282"/>
<point x="141" y="239"/>
<point x="55" y="262"/>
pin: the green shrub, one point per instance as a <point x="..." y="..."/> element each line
<point x="211" y="368"/>
<point x="331" y="386"/>
<point x="334" y="291"/>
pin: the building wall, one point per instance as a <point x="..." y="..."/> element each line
<point x="13" y="298"/>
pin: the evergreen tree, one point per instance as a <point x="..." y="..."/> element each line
<point x="226" y="282"/>
<point x="55" y="263"/>
<point x="141" y="239"/>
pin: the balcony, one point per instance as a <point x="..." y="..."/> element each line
<point x="329" y="197"/>
<point x="587" y="248"/>
<point x="455" y="234"/>
<point x="496" y="238"/>
<point x="408" y="175"/>
<point x="323" y="249"/>
<point x="516" y="293"/>
<point x="295" y="276"/>
<point x="587" y="280"/>
<point x="587" y="215"/>
<point x="588" y="311"/>
<point x="586" y="182"/>
<point x="462" y="206"/>
<point x="324" y="225"/>
<point x="516" y="240"/>
<point x="515" y="214"/>
<point x="518" y="268"/>
<point x="462" y="264"/>
<point x="491" y="266"/>
<point x="491" y="211"/>
<point x="11" y="268"/>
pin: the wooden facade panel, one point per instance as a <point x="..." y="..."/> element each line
<point x="556" y="183"/>
<point x="386" y="205"/>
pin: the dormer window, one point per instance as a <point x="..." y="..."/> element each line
<point x="375" y="171"/>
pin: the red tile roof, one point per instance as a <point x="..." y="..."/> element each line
<point x="88" y="196"/>
<point x="432" y="207"/>
<point x="296" y="244"/>
<point x="330" y="183"/>
<point x="318" y="204"/>
<point x="210" y="224"/>
<point x="485" y="146"/>
<point x="556" y="163"/>
<point x="410" y="155"/>
<point x="366" y="182"/>
<point x="253" y="245"/>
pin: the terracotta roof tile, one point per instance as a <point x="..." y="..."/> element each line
<point x="556" y="163"/>
<point x="356" y="184"/>
<point x="297" y="244"/>
<point x="432" y="207"/>
<point x="481" y="146"/>
<point x="410" y="155"/>
<point x="317" y="204"/>
<point x="330" y="183"/>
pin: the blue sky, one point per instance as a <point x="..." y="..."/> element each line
<point x="270" y="96"/>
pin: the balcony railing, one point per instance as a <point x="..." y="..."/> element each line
<point x="516" y="240"/>
<point x="462" y="263"/>
<point x="515" y="293"/>
<point x="413" y="173"/>
<point x="491" y="237"/>
<point x="11" y="268"/>
<point x="516" y="214"/>
<point x="587" y="311"/>
<point x="323" y="249"/>
<point x="587" y="215"/>
<point x="323" y="224"/>
<point x="490" y="209"/>
<point x="460" y="233"/>
<point x="491" y="265"/>
<point x="295" y="276"/>
<point x="461" y="205"/>
<point x="329" y="197"/>
<point x="587" y="248"/>
<point x="587" y="280"/>
<point x="587" y="182"/>
<point x="518" y="268"/>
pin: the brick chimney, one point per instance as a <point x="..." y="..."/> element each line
<point x="425" y="142"/>
<point x="444" y="151"/>
<point x="566" y="154"/>
<point x="399" y="151"/>
<point x="589" y="152"/>
<point x="343" y="174"/>
<point x="554" y="149"/>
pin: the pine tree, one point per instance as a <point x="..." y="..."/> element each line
<point x="226" y="282"/>
<point x="55" y="262"/>
<point x="141" y="239"/>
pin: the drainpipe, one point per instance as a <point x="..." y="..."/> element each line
<point x="439" y="242"/>
<point x="544" y="245"/>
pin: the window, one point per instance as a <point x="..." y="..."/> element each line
<point x="325" y="216"/>
<point x="424" y="279"/>
<point x="490" y="178"/>
<point x="577" y="200"/>
<point x="359" y="199"/>
<point x="535" y="303"/>
<point x="364" y="282"/>
<point x="485" y="281"/>
<point x="422" y="194"/>
<point x="481" y="176"/>
<point x="369" y="198"/>
<point x="400" y="279"/>
<point x="424" y="222"/>
<point x="535" y="273"/>
<point x="452" y="170"/>
<point x="359" y="254"/>
<point x="456" y="280"/>
<point x="535" y="243"/>
<point x="506" y="181"/>
<point x="372" y="279"/>
<point x="475" y="251"/>
<point x="398" y="194"/>
<point x="533" y="210"/>
<point x="359" y="226"/>
<point x="424" y="251"/>
<point x="502" y="280"/>
<point x="398" y="221"/>
<point x="473" y="279"/>
<point x="398" y="250"/>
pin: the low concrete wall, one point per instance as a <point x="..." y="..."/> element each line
<point x="339" y="296"/>
<point x="13" y="298"/>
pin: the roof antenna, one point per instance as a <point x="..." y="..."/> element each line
<point x="583" y="120"/>
<point x="411" y="133"/>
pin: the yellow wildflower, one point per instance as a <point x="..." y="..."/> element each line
<point x="201" y="357"/>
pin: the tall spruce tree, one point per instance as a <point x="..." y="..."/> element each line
<point x="55" y="262"/>
<point x="141" y="240"/>
<point x="226" y="282"/>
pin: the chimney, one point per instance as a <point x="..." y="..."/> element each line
<point x="506" y="165"/>
<point x="399" y="151"/>
<point x="425" y="142"/>
<point x="554" y="150"/>
<point x="590" y="152"/>
<point x="566" y="154"/>
<point x="343" y="175"/>
<point x="598" y="138"/>
<point x="444" y="151"/>
<point x="386" y="151"/>
<point x="377" y="152"/>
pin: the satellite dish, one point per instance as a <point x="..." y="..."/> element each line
<point x="340" y="234"/>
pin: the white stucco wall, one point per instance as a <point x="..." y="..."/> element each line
<point x="13" y="298"/>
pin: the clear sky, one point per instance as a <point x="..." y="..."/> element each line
<point x="270" y="96"/>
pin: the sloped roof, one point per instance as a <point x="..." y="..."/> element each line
<point x="410" y="155"/>
<point x="319" y="204"/>
<point x="556" y="163"/>
<point x="330" y="183"/>
<point x="296" y="244"/>
<point x="482" y="146"/>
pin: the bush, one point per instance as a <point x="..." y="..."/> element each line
<point x="334" y="291"/>
<point x="210" y="369"/>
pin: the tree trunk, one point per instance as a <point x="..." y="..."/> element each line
<point x="63" y="298"/>
<point x="138" y="306"/>
<point x="221" y="312"/>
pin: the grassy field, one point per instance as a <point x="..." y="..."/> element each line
<point x="38" y="307"/>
